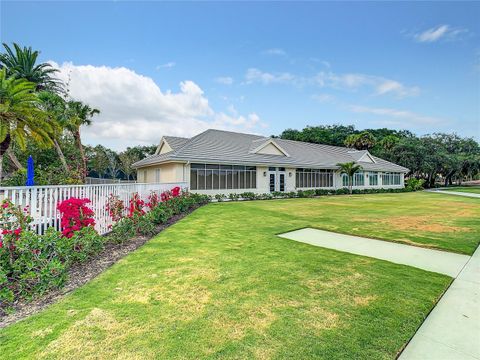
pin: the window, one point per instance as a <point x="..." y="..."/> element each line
<point x="221" y="177"/>
<point x="358" y="179"/>
<point x="391" y="179"/>
<point x="144" y="175"/>
<point x="157" y="175"/>
<point x="373" y="178"/>
<point x="313" y="178"/>
<point x="345" y="180"/>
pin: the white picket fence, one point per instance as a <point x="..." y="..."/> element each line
<point x="42" y="200"/>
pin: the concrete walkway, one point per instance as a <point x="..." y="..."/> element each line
<point x="452" y="330"/>
<point x="458" y="193"/>
<point x="427" y="259"/>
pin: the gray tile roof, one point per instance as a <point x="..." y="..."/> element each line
<point x="175" y="142"/>
<point x="218" y="146"/>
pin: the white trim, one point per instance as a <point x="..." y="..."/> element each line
<point x="369" y="156"/>
<point x="161" y="144"/>
<point x="268" y="142"/>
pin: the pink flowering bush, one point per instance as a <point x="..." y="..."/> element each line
<point x="135" y="207"/>
<point x="115" y="207"/>
<point x="13" y="220"/>
<point x="75" y="215"/>
<point x="153" y="200"/>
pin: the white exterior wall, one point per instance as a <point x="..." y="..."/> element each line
<point x="178" y="172"/>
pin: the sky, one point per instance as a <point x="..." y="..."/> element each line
<point x="156" y="69"/>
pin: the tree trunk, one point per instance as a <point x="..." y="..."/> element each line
<point x="78" y="142"/>
<point x="14" y="159"/>
<point x="350" y="184"/>
<point x="1" y="167"/>
<point x="61" y="155"/>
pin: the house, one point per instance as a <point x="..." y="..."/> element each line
<point x="224" y="162"/>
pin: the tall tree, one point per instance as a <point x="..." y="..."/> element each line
<point x="79" y="114"/>
<point x="350" y="169"/>
<point x="98" y="160"/>
<point x="55" y="107"/>
<point x="113" y="163"/>
<point x="20" y="115"/>
<point x="127" y="158"/>
<point x="362" y="141"/>
<point x="21" y="63"/>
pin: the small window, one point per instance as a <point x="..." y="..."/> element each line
<point x="157" y="175"/>
<point x="144" y="175"/>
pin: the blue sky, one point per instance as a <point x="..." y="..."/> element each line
<point x="177" y="68"/>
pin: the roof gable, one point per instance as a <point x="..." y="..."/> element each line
<point x="270" y="147"/>
<point x="163" y="148"/>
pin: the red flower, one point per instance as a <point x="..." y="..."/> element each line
<point x="75" y="215"/>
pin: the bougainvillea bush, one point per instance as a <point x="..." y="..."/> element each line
<point x="172" y="203"/>
<point x="31" y="264"/>
<point x="75" y="215"/>
<point x="135" y="207"/>
<point x="115" y="207"/>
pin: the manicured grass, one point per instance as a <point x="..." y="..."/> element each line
<point x="467" y="189"/>
<point x="221" y="284"/>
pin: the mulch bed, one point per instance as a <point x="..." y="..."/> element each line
<point x="81" y="273"/>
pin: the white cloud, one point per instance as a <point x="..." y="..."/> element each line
<point x="255" y="75"/>
<point x="398" y="117"/>
<point x="439" y="32"/>
<point x="379" y="85"/>
<point x="323" y="98"/>
<point x="168" y="65"/>
<point x="275" y="51"/>
<point x="225" y="80"/>
<point x="135" y="110"/>
<point x="348" y="81"/>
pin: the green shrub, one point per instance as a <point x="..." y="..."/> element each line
<point x="145" y="225"/>
<point x="30" y="267"/>
<point x="248" y="195"/>
<point x="414" y="184"/>
<point x="160" y="214"/>
<point x="233" y="196"/>
<point x="123" y="230"/>
<point x="342" y="191"/>
<point x="83" y="244"/>
<point x="305" y="193"/>
<point x="220" y="197"/>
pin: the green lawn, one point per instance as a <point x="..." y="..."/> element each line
<point x="221" y="284"/>
<point x="467" y="189"/>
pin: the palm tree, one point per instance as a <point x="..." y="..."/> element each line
<point x="79" y="114"/>
<point x="362" y="141"/>
<point x="21" y="64"/>
<point x="55" y="107"/>
<point x="20" y="116"/>
<point x="349" y="168"/>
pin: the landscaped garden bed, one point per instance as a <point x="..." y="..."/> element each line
<point x="37" y="269"/>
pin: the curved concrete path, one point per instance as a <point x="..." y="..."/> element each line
<point x="458" y="193"/>
<point x="452" y="330"/>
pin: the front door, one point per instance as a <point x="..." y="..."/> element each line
<point x="276" y="177"/>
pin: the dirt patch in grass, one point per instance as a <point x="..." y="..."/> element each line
<point x="364" y="300"/>
<point x="80" y="274"/>
<point x="429" y="223"/>
<point x="320" y="319"/>
<point x="95" y="336"/>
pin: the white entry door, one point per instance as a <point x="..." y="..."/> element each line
<point x="276" y="177"/>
